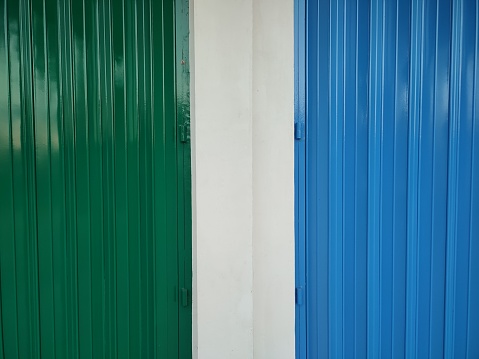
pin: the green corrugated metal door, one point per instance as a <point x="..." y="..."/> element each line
<point x="94" y="179"/>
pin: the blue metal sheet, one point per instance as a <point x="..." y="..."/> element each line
<point x="387" y="177"/>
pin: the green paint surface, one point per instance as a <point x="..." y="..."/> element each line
<point x="95" y="179"/>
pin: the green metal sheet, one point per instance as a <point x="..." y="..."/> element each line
<point x="95" y="181"/>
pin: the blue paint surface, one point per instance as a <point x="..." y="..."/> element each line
<point x="387" y="178"/>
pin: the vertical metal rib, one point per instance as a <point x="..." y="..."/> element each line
<point x="28" y="163"/>
<point x="472" y="349"/>
<point x="374" y="184"/>
<point x="452" y="178"/>
<point x="8" y="262"/>
<point x="417" y="31"/>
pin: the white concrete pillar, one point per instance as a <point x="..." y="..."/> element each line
<point x="243" y="196"/>
<point x="222" y="176"/>
<point x="273" y="179"/>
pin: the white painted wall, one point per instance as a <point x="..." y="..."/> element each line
<point x="243" y="195"/>
<point x="273" y="179"/>
<point x="222" y="153"/>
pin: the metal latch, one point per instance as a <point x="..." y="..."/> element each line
<point x="298" y="130"/>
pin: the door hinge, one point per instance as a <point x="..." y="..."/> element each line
<point x="298" y="130"/>
<point x="299" y="295"/>
<point x="185" y="132"/>
<point x="184" y="297"/>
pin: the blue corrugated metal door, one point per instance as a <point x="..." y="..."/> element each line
<point x="387" y="178"/>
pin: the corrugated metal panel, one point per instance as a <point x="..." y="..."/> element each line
<point x="390" y="173"/>
<point x="90" y="203"/>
